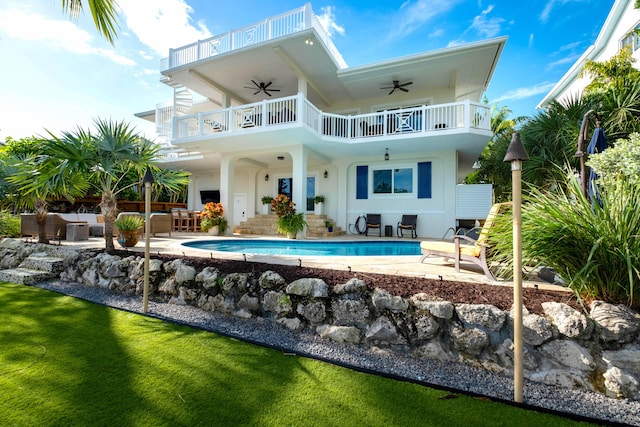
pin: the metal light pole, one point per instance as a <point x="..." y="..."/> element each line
<point x="516" y="154"/>
<point x="147" y="180"/>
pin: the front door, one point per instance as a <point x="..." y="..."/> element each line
<point x="285" y="186"/>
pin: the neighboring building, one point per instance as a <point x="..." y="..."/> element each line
<point x="617" y="32"/>
<point x="278" y="110"/>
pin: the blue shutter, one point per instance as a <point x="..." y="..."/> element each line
<point x="424" y="180"/>
<point x="362" y="182"/>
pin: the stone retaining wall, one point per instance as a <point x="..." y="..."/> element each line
<point x="599" y="351"/>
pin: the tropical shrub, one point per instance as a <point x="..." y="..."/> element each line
<point x="9" y="225"/>
<point x="593" y="246"/>
<point x="289" y="222"/>
<point x="129" y="223"/>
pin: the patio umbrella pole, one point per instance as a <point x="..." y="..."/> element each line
<point x="147" y="180"/>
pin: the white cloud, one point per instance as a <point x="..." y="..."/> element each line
<point x="525" y="92"/>
<point x="162" y="24"/>
<point x="415" y="14"/>
<point x="485" y="26"/>
<point x="61" y="34"/>
<point x="328" y="21"/>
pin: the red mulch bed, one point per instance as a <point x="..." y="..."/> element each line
<point x="455" y="292"/>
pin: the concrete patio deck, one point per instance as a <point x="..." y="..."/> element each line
<point x="431" y="268"/>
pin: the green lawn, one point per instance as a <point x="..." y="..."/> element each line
<point x="67" y="362"/>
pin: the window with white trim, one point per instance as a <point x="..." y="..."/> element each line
<point x="393" y="181"/>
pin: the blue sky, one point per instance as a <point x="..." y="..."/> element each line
<point x="58" y="73"/>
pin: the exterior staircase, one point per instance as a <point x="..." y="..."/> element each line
<point x="265" y="225"/>
<point x="35" y="268"/>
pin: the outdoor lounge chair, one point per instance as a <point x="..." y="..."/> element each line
<point x="408" y="222"/>
<point x="475" y="253"/>
<point x="374" y="221"/>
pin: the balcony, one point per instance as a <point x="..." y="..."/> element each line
<point x="286" y="24"/>
<point x="297" y="111"/>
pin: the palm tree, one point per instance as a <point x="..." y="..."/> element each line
<point x="103" y="12"/>
<point x="107" y="158"/>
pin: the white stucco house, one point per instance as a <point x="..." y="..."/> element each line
<point x="616" y="33"/>
<point x="273" y="108"/>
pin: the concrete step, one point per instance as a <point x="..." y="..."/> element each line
<point x="25" y="276"/>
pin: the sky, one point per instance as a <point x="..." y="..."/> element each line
<point x="59" y="73"/>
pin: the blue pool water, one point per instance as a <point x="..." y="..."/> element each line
<point x="300" y="247"/>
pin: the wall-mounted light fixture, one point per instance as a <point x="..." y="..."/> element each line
<point x="386" y="154"/>
<point x="476" y="165"/>
<point x="266" y="177"/>
<point x="309" y="41"/>
<point x="326" y="174"/>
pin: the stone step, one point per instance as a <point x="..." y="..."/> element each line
<point x="43" y="263"/>
<point x="25" y="276"/>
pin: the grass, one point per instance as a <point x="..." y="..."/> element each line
<point x="68" y="362"/>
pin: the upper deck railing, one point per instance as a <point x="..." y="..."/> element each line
<point x="297" y="111"/>
<point x="271" y="28"/>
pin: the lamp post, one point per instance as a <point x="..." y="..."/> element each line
<point x="147" y="180"/>
<point x="584" y="136"/>
<point x="516" y="154"/>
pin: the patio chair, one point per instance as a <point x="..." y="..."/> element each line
<point x="408" y="222"/>
<point x="374" y="221"/>
<point x="476" y="252"/>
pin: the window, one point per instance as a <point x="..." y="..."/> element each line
<point x="632" y="39"/>
<point x="393" y="181"/>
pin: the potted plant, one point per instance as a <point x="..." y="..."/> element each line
<point x="266" y="204"/>
<point x="319" y="203"/>
<point x="129" y="228"/>
<point x="213" y="221"/>
<point x="329" y="226"/>
<point x="289" y="222"/>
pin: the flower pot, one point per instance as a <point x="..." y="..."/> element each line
<point x="291" y="234"/>
<point x="128" y="238"/>
<point x="214" y="231"/>
<point x="318" y="208"/>
<point x="266" y="209"/>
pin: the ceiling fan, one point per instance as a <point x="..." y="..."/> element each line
<point x="397" y="85"/>
<point x="262" y="87"/>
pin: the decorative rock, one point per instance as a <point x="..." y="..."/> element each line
<point x="208" y="277"/>
<point x="482" y="315"/>
<point x="181" y="298"/>
<point x="434" y="350"/>
<point x="383" y="331"/>
<point x="168" y="286"/>
<point x="341" y="334"/>
<point x="383" y="300"/>
<point x="426" y="327"/>
<point x="293" y="324"/>
<point x="570" y="322"/>
<point x="627" y="357"/>
<point x="353" y="286"/>
<point x="314" y="312"/>
<point x="249" y="303"/>
<point x="471" y="341"/>
<point x="185" y="274"/>
<point x="278" y="303"/>
<point x="620" y="384"/>
<point x="350" y="312"/>
<point x="569" y="353"/>
<point x="308" y="287"/>
<point x="440" y="309"/>
<point x="617" y="322"/>
<point x="536" y="329"/>
<point x="505" y="353"/>
<point x="243" y="314"/>
<point x="234" y="284"/>
<point x="271" y="279"/>
<point x="155" y="265"/>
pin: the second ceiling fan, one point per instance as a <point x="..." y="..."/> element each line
<point x="262" y="87"/>
<point x="397" y="85"/>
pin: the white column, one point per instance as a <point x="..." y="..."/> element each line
<point x="227" y="188"/>
<point x="299" y="157"/>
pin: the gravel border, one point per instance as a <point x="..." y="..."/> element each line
<point x="430" y="372"/>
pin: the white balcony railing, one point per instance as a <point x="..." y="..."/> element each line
<point x="298" y="111"/>
<point x="271" y="28"/>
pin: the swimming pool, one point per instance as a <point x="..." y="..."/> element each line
<point x="305" y="247"/>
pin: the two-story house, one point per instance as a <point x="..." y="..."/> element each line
<point x="273" y="108"/>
